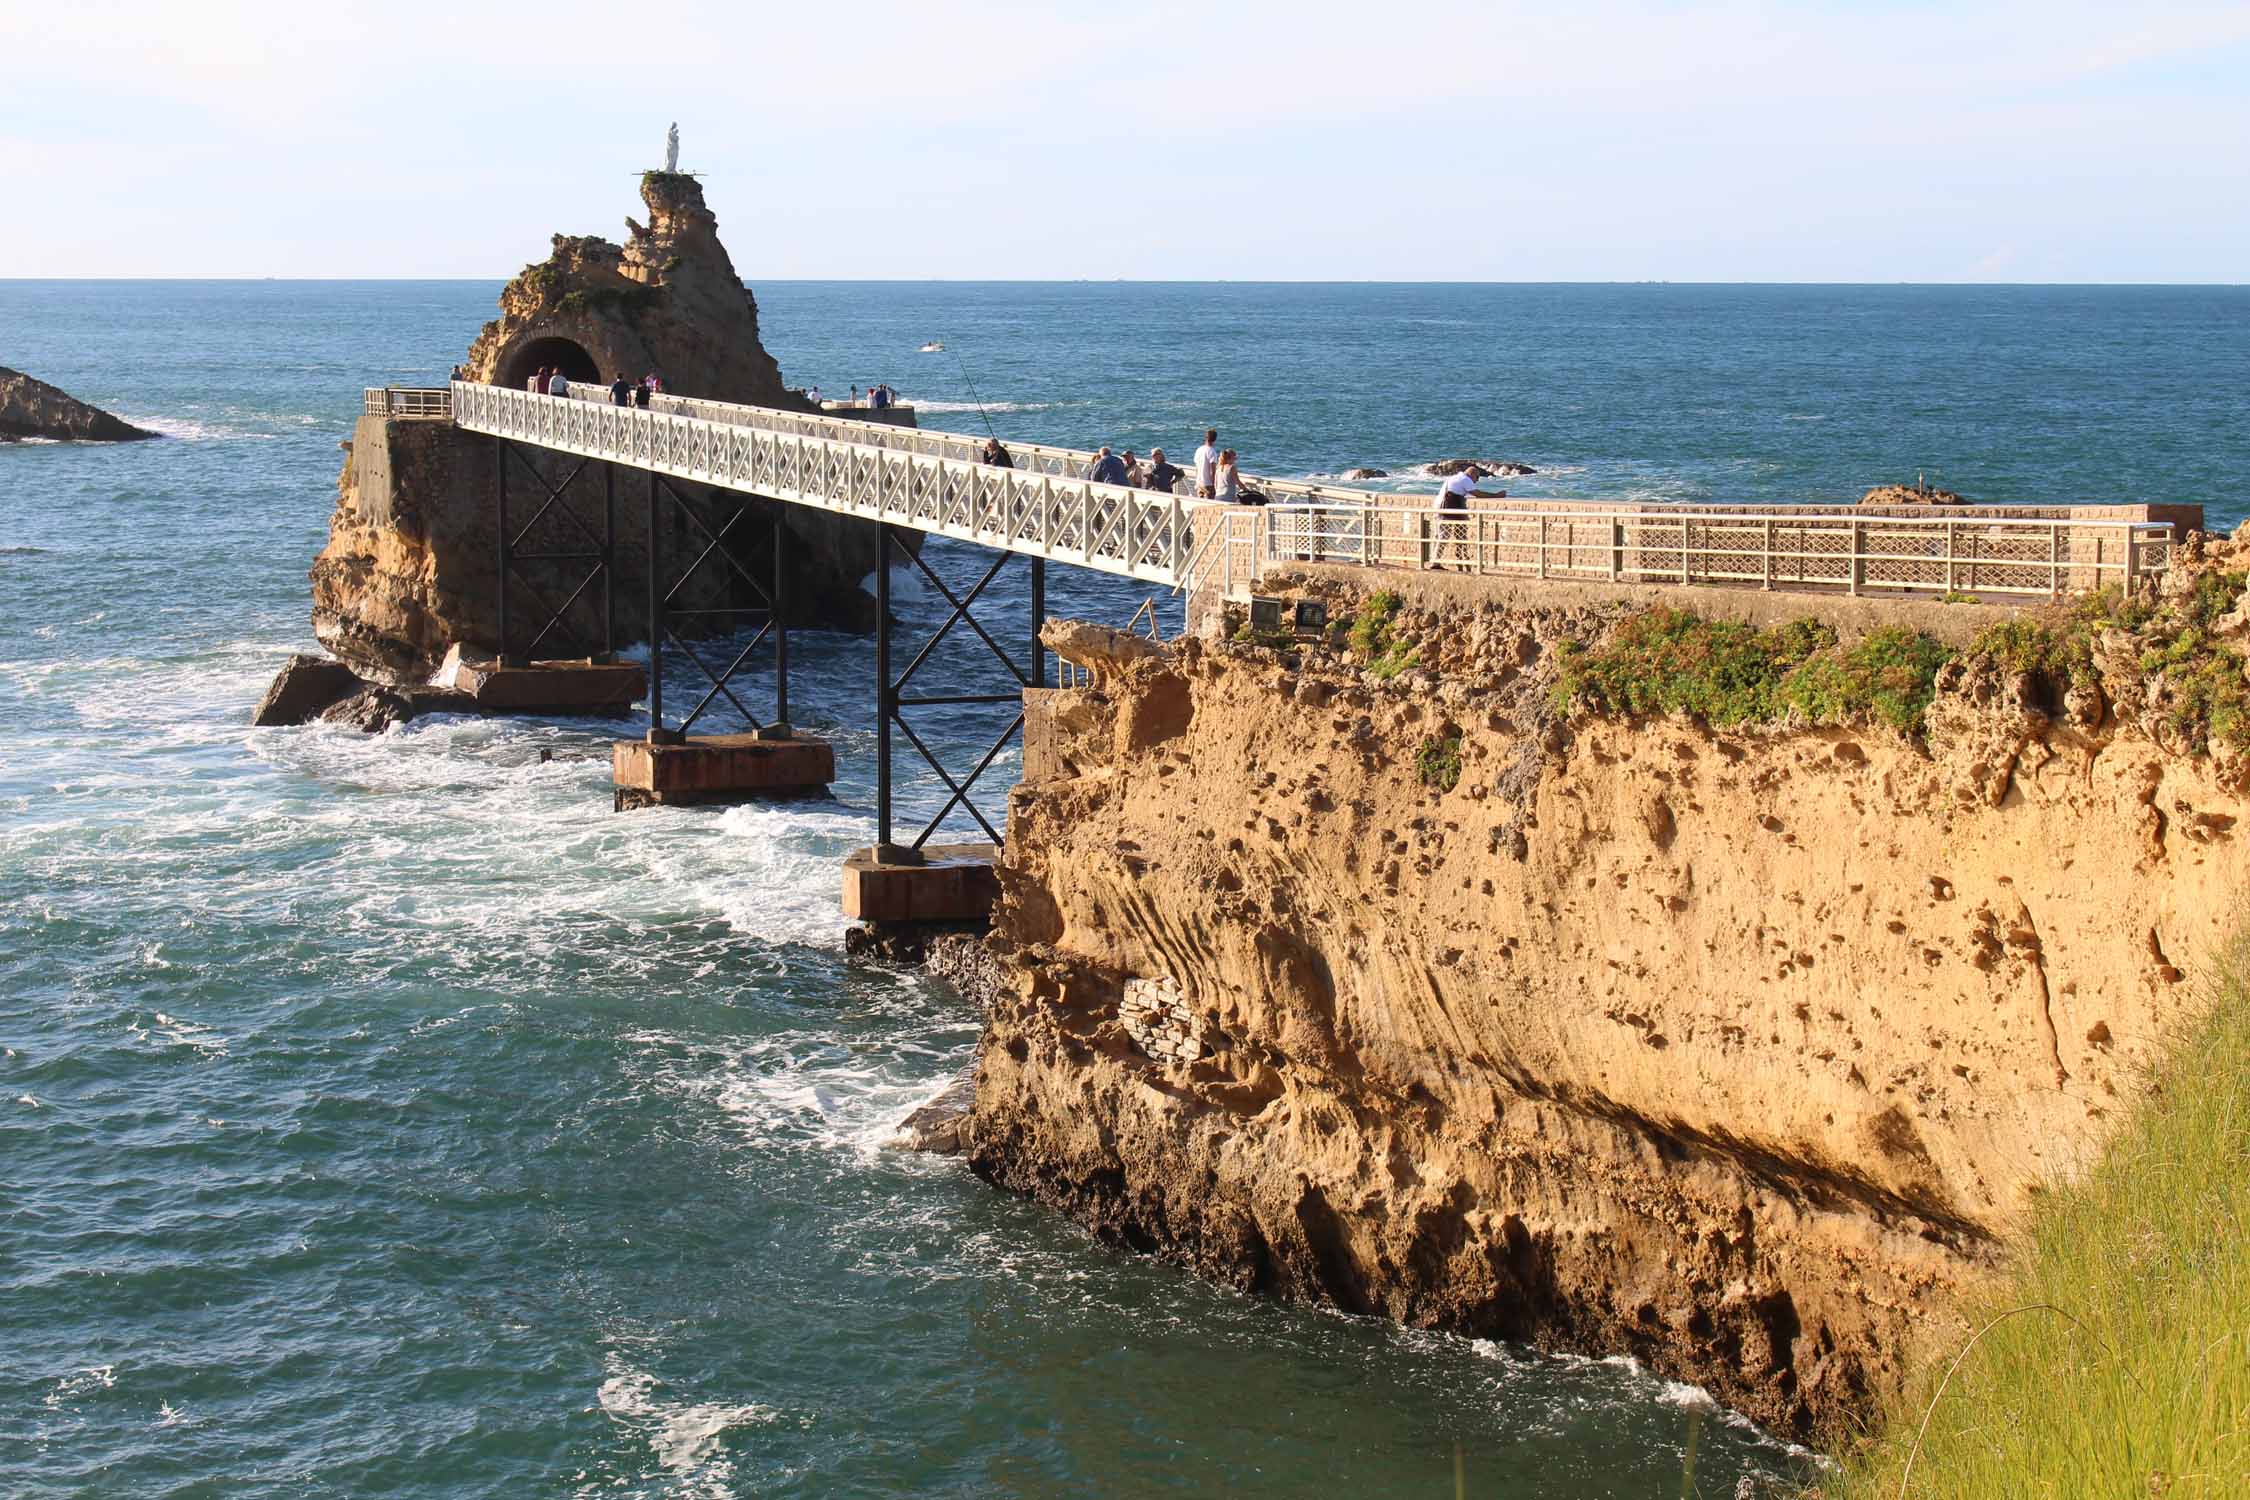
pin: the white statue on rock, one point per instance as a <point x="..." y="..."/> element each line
<point x="672" y="148"/>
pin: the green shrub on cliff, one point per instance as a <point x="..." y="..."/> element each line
<point x="2115" y="1360"/>
<point x="1374" y="635"/>
<point x="1889" y="673"/>
<point x="1728" y="674"/>
<point x="1438" y="762"/>
<point x="2198" y="677"/>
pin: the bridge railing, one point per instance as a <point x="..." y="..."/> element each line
<point x="1975" y="555"/>
<point x="1039" y="458"/>
<point x="407" y="401"/>
<point x="833" y="464"/>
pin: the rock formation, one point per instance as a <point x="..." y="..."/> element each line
<point x="1738" y="1053"/>
<point x="1921" y="492"/>
<point x="1445" y="468"/>
<point x="409" y="569"/>
<point x="34" y="409"/>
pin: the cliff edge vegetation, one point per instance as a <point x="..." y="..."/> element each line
<point x="2111" y="1358"/>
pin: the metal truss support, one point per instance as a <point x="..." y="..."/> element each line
<point x="706" y="529"/>
<point x="893" y="700"/>
<point x="590" y="563"/>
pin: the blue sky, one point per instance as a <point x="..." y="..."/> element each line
<point x="2053" y="141"/>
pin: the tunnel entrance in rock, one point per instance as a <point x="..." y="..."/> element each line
<point x="563" y="354"/>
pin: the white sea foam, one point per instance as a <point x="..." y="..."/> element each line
<point x="685" y="1436"/>
<point x="920" y="405"/>
<point x="85" y="1382"/>
<point x="189" y="1034"/>
<point x="195" y="430"/>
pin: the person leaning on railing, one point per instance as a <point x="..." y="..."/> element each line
<point x="1452" y="508"/>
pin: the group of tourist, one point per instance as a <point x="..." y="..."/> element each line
<point x="549" y="380"/>
<point x="1216" y="475"/>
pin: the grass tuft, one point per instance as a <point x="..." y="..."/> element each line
<point x="1727" y="673"/>
<point x="2116" y="1359"/>
<point x="1374" y="635"/>
<point x="1438" y="762"/>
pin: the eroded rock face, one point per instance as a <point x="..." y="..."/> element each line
<point x="34" y="409"/>
<point x="1738" y="1053"/>
<point x="410" y="569"/>
<point x="668" y="301"/>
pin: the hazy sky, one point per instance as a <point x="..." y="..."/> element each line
<point x="2048" y="140"/>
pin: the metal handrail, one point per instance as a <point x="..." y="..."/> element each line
<point x="832" y="464"/>
<point x="407" y="401"/>
<point x="1044" y="506"/>
<point x="1777" y="549"/>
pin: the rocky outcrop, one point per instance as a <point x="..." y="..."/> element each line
<point x="314" y="687"/>
<point x="1365" y="473"/>
<point x="409" y="569"/>
<point x="303" y="687"/>
<point x="668" y="301"/>
<point x="1739" y="1053"/>
<point x="1447" y="467"/>
<point x="34" y="409"/>
<point x="1918" y="493"/>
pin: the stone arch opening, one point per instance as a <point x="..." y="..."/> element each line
<point x="566" y="355"/>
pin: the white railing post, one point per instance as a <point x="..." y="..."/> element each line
<point x="2054" y="561"/>
<point x="1857" y="565"/>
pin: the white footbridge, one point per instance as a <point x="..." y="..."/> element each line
<point x="1044" y="506"/>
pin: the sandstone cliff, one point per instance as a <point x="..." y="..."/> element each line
<point x="34" y="409"/>
<point x="409" y="569"/>
<point x="1736" y="1052"/>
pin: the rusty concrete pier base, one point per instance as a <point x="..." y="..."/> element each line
<point x="719" y="768"/>
<point x="940" y="883"/>
<point x="582" y="686"/>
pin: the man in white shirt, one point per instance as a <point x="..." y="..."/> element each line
<point x="1453" y="499"/>
<point x="1207" y="463"/>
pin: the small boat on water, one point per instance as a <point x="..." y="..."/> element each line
<point x="933" y="347"/>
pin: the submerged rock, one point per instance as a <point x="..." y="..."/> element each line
<point x="317" y="687"/>
<point x="34" y="409"/>
<point x="1367" y="473"/>
<point x="1445" y="468"/>
<point x="372" y="709"/>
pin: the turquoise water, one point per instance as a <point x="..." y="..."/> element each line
<point x="383" y="1116"/>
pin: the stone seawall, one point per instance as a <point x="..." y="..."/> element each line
<point x="1740" y="1053"/>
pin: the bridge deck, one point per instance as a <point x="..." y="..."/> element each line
<point x="1045" y="507"/>
<point x="929" y="482"/>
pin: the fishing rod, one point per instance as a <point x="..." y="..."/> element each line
<point x="973" y="396"/>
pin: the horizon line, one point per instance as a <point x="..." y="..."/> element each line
<point x="1149" y="281"/>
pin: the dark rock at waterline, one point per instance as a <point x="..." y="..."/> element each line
<point x="1447" y="467"/>
<point x="944" y="1126"/>
<point x="320" y="687"/>
<point x="1367" y="473"/>
<point x="34" y="409"/>
<point x="304" y="687"/>
<point x="371" y="709"/>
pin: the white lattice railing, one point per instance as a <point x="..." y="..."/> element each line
<point x="936" y="482"/>
<point x="832" y="464"/>
<point x="405" y="401"/>
<point x="1777" y="549"/>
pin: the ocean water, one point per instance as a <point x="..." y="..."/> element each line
<point x="385" y="1116"/>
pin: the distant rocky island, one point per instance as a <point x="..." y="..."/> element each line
<point x="32" y="408"/>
